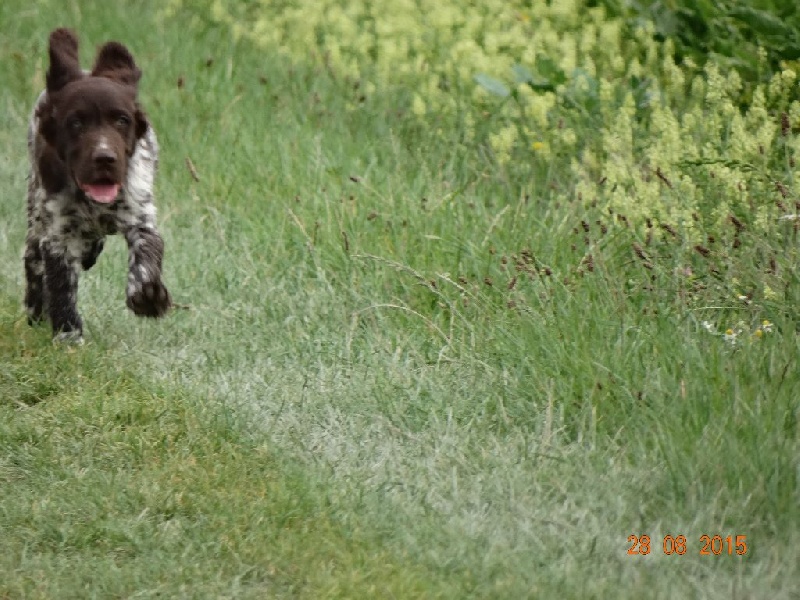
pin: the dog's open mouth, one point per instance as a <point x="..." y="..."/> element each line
<point x="103" y="192"/>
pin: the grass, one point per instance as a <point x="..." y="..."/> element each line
<point x="114" y="488"/>
<point x="377" y="389"/>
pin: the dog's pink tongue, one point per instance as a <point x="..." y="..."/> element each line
<point x="103" y="193"/>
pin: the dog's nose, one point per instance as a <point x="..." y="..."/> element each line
<point x="103" y="156"/>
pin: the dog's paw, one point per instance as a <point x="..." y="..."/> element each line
<point x="35" y="316"/>
<point x="69" y="338"/>
<point x="149" y="299"/>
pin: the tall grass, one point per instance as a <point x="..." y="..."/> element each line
<point x="404" y="369"/>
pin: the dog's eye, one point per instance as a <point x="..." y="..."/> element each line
<point x="123" y="121"/>
<point x="75" y="125"/>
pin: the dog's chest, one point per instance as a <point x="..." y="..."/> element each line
<point x="71" y="214"/>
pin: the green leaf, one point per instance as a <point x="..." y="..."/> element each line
<point x="522" y="74"/>
<point x="761" y="22"/>
<point x="492" y="85"/>
<point x="549" y="70"/>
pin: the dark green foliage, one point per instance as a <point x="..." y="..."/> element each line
<point x="730" y="31"/>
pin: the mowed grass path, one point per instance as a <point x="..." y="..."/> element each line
<point x="350" y="406"/>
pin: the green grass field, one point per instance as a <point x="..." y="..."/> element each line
<point x="403" y="366"/>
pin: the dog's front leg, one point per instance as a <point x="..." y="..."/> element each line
<point x="147" y="296"/>
<point x="35" y="300"/>
<point x="61" y="282"/>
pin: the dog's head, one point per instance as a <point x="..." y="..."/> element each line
<point x="90" y="122"/>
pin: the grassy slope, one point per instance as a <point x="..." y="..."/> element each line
<point x="114" y="488"/>
<point x="319" y="422"/>
<point x="113" y="485"/>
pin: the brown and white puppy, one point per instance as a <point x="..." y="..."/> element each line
<point x="93" y="160"/>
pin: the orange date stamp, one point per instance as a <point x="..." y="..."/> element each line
<point x="707" y="545"/>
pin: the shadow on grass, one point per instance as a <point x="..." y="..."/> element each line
<point x="112" y="485"/>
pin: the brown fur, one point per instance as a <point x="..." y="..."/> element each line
<point x="82" y="110"/>
<point x="93" y="161"/>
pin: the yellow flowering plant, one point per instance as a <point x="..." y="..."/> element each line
<point x="683" y="158"/>
<point x="546" y="70"/>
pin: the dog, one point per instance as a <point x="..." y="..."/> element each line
<point x="93" y="156"/>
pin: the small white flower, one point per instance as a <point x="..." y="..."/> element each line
<point x="708" y="326"/>
<point x="730" y="336"/>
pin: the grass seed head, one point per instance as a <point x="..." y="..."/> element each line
<point x="669" y="229"/>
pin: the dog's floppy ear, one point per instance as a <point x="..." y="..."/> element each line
<point x="52" y="170"/>
<point x="47" y="123"/>
<point x="140" y="127"/>
<point x="141" y="123"/>
<point x="114" y="61"/>
<point x="64" y="65"/>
